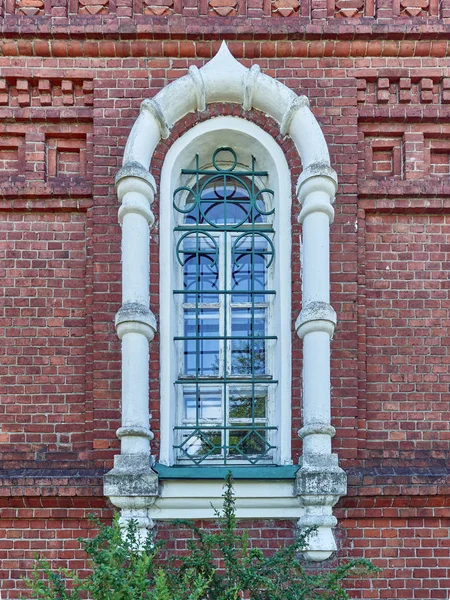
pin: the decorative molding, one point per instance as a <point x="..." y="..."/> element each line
<point x="158" y="8"/>
<point x="197" y="499"/>
<point x="224" y="8"/>
<point x="285" y="8"/>
<point x="416" y="8"/>
<point x="4" y="92"/>
<point x="316" y="316"/>
<point x="249" y="86"/>
<point x="133" y="312"/>
<point x="66" y="157"/>
<point x="351" y="9"/>
<point x="37" y="91"/>
<point x="47" y="165"/>
<point x="297" y="103"/>
<point x="316" y="427"/>
<point x="403" y="87"/>
<point x="12" y="156"/>
<point x="30" y="8"/>
<point x="223" y="79"/>
<point x="437" y="157"/>
<point x="156" y="111"/>
<point x="200" y="90"/>
<point x="383" y="157"/>
<point x="93" y="7"/>
<point x="393" y="156"/>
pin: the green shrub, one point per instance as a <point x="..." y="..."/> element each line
<point x="121" y="569"/>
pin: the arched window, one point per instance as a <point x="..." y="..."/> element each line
<point x="225" y="255"/>
<point x="168" y="489"/>
<point x="225" y="298"/>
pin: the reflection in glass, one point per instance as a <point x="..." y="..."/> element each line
<point x="243" y="406"/>
<point x="199" y="444"/>
<point x="247" y="442"/>
<point x="200" y="269"/>
<point x="204" y="404"/>
<point x="201" y="350"/>
<point x="224" y="248"/>
<point x="224" y="201"/>
<point x="249" y="270"/>
<point x="248" y="355"/>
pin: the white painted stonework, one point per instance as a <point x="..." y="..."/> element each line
<point x="132" y="485"/>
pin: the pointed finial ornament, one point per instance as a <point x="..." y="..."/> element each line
<point x="223" y="60"/>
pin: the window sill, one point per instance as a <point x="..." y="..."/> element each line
<point x="220" y="472"/>
<point x="197" y="492"/>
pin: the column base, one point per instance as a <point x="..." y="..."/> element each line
<point x="133" y="486"/>
<point x="132" y="475"/>
<point x="320" y="482"/>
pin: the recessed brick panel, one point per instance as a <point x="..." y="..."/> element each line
<point x="383" y="157"/>
<point x="408" y="339"/>
<point x="66" y="157"/>
<point x="43" y="325"/>
<point x="12" y="156"/>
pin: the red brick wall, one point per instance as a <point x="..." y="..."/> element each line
<point x="72" y="76"/>
<point x="44" y="364"/>
<point x="407" y="261"/>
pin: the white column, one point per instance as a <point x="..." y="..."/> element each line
<point x="132" y="485"/>
<point x="135" y="322"/>
<point x="320" y="481"/>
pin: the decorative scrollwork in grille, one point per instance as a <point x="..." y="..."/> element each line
<point x="225" y="252"/>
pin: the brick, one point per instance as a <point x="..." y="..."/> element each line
<point x="70" y="91"/>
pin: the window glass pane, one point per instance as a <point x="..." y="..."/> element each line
<point x="202" y="404"/>
<point x="248" y="354"/>
<point x="215" y="210"/>
<point x="244" y="407"/>
<point x="224" y="249"/>
<point x="201" y="350"/>
<point x="201" y="270"/>
<point x="247" y="442"/>
<point x="251" y="254"/>
<point x="202" y="407"/>
<point x="199" y="444"/>
<point x="226" y="201"/>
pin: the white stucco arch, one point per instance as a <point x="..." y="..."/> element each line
<point x="132" y="484"/>
<point x="224" y="79"/>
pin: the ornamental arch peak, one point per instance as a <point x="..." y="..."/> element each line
<point x="133" y="485"/>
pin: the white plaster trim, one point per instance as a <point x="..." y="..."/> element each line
<point x="224" y="79"/>
<point x="296" y="104"/>
<point x="134" y="431"/>
<point x="244" y="137"/>
<point x="139" y="327"/>
<point x="186" y="499"/>
<point x="157" y="113"/>
<point x="249" y="86"/>
<point x="200" y="90"/>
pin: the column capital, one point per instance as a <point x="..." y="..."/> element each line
<point x="325" y="180"/>
<point x="134" y="431"/>
<point x="316" y="316"/>
<point x="134" y="317"/>
<point x="316" y="188"/>
<point x="316" y="428"/>
<point x="133" y="177"/>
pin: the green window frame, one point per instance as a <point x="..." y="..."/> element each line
<point x="225" y="256"/>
